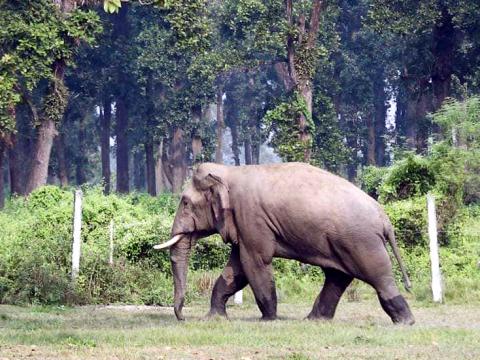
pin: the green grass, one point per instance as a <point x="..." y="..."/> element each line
<point x="359" y="330"/>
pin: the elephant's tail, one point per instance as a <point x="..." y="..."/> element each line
<point x="390" y="236"/>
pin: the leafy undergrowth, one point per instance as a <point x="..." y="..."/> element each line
<point x="35" y="254"/>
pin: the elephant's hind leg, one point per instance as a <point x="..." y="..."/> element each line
<point x="326" y="303"/>
<point x="393" y="303"/>
<point x="232" y="280"/>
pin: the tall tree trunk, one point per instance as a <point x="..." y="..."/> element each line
<point x="47" y="128"/>
<point x="167" y="166"/>
<point x="256" y="152"/>
<point x="302" y="81"/>
<point x="41" y="157"/>
<point x="47" y="131"/>
<point x="62" y="165"/>
<point x="122" y="146"/>
<point x="445" y="42"/>
<point x="2" y="185"/>
<point x="105" y="124"/>
<point x="220" y="126"/>
<point x="248" y="149"/>
<point x="16" y="186"/>
<point x="235" y="149"/>
<point x="380" y="116"/>
<point x="161" y="180"/>
<point x="197" y="148"/>
<point x="81" y="161"/>
<point x="371" y="141"/>
<point x="178" y="160"/>
<point x="138" y="165"/>
<point x="120" y="33"/>
<point x="151" y="183"/>
<point x="197" y="145"/>
<point x="159" y="183"/>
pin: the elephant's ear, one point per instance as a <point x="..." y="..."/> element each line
<point x="222" y="209"/>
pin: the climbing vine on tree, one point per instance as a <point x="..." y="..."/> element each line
<point x="281" y="121"/>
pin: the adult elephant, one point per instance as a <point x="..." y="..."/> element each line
<point x="294" y="211"/>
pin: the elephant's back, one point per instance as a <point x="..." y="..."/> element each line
<point x="297" y="193"/>
<point x="299" y="182"/>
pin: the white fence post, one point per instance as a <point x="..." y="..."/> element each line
<point x="238" y="298"/>
<point x="77" y="228"/>
<point x="434" y="258"/>
<point x="111" y="233"/>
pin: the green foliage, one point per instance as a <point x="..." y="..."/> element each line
<point x="190" y="25"/>
<point x="329" y="150"/>
<point x="458" y="260"/>
<point x="407" y="178"/>
<point x="460" y="120"/>
<point x="456" y="158"/>
<point x="409" y="219"/>
<point x="450" y="172"/>
<point x="33" y="36"/>
<point x="371" y="178"/>
<point x="283" y="122"/>
<point x="112" y="6"/>
<point x="35" y="248"/>
<point x="306" y="60"/>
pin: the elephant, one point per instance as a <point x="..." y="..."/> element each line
<point x="293" y="211"/>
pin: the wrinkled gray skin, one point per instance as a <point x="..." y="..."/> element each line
<point x="293" y="211"/>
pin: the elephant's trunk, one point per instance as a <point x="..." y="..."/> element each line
<point x="179" y="255"/>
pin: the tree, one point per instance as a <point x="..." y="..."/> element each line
<point x="38" y="39"/>
<point x="436" y="39"/>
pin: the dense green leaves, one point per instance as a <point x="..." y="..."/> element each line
<point x="33" y="36"/>
<point x="282" y="122"/>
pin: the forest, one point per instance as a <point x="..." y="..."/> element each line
<point x="134" y="96"/>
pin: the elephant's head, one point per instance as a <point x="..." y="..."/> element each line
<point x="204" y="209"/>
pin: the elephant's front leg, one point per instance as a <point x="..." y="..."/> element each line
<point x="232" y="280"/>
<point x="336" y="282"/>
<point x="259" y="272"/>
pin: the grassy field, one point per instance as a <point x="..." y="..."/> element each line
<point x="360" y="331"/>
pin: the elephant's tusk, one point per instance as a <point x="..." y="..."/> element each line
<point x="169" y="243"/>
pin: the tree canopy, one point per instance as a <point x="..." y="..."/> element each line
<point x="159" y="86"/>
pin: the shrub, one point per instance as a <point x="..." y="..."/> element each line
<point x="409" y="219"/>
<point x="35" y="247"/>
<point x="371" y="179"/>
<point x="35" y="251"/>
<point x="408" y="178"/>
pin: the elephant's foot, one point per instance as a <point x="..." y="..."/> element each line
<point x="318" y="317"/>
<point x="268" y="318"/>
<point x="214" y="314"/>
<point x="398" y="310"/>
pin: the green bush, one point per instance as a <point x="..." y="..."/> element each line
<point x="35" y="248"/>
<point x="35" y="251"/>
<point x="409" y="219"/>
<point x="458" y="260"/>
<point x="371" y="179"/>
<point x="409" y="177"/>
